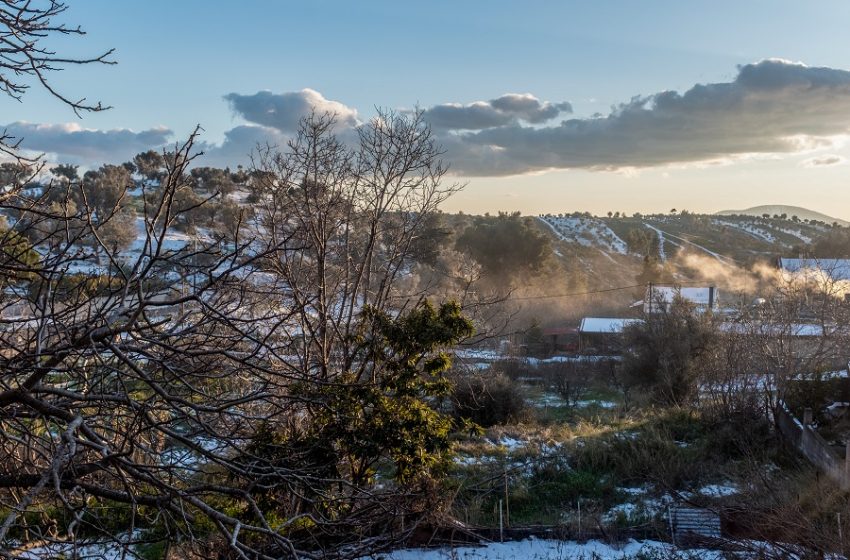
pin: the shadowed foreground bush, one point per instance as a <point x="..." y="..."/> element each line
<point x="488" y="401"/>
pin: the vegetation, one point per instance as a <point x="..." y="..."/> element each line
<point x="186" y="374"/>
<point x="139" y="385"/>
<point x="667" y="352"/>
<point x="507" y="246"/>
<point x="487" y="401"/>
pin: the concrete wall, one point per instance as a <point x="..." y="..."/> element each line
<point x="812" y="446"/>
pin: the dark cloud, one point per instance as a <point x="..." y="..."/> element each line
<point x="73" y="144"/>
<point x="528" y="108"/>
<point x="825" y="160"/>
<point x="773" y="106"/>
<point x="501" y="111"/>
<point x="283" y="111"/>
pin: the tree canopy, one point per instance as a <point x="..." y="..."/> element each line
<point x="507" y="246"/>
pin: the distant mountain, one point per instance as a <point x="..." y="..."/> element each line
<point x="780" y="209"/>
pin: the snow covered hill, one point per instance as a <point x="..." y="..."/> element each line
<point x="586" y="231"/>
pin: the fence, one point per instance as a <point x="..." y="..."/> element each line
<point x="814" y="447"/>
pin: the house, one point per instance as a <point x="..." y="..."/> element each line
<point x="602" y="334"/>
<point x="659" y="298"/>
<point x="834" y="269"/>
<point x="561" y="339"/>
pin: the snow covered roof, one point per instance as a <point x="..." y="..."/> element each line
<point x="605" y="324"/>
<point x="837" y="269"/>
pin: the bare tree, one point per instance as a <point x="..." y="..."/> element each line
<point x="25" y="29"/>
<point x="792" y="336"/>
<point x="236" y="392"/>
<point x="26" y="26"/>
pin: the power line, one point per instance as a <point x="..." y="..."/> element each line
<point x="573" y="294"/>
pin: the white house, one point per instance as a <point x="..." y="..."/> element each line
<point x="835" y="269"/>
<point x="660" y="298"/>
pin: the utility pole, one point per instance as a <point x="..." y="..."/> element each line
<point x="501" y="524"/>
<point x="507" y="501"/>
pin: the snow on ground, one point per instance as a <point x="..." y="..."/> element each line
<point x="633" y="490"/>
<point x="529" y="549"/>
<point x="510" y="444"/>
<point x="795" y="233"/>
<point x="552" y="400"/>
<point x="837" y="408"/>
<point x="566" y="359"/>
<point x="722" y="259"/>
<point x="661" y="253"/>
<point x="640" y="507"/>
<point x="589" y="232"/>
<point x="120" y="550"/>
<point x="548" y="400"/>
<point x="627" y="511"/>
<point x="472" y="461"/>
<point x="480" y="356"/>
<point x="174" y="239"/>
<point x="539" y="549"/>
<point x="759" y="230"/>
<point x="718" y="490"/>
<point x="239" y="196"/>
<point x="512" y="453"/>
<point x="600" y="404"/>
<point x="749" y="228"/>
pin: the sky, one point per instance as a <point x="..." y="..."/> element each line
<point x="542" y="107"/>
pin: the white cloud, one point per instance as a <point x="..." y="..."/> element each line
<point x="284" y="111"/>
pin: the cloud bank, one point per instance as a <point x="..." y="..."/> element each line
<point x="770" y="107"/>
<point x="70" y="143"/>
<point x="773" y="106"/>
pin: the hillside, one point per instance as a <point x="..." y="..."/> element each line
<point x="780" y="209"/>
<point x="611" y="250"/>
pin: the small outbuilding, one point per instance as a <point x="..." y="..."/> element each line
<point x="603" y="334"/>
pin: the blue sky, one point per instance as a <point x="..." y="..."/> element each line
<point x="177" y="61"/>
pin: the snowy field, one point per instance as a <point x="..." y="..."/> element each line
<point x="589" y="232"/>
<point x="538" y="549"/>
<point x="542" y="549"/>
<point x="529" y="549"/>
